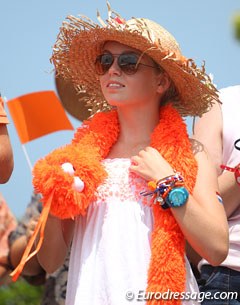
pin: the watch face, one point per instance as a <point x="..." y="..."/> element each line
<point x="178" y="197"/>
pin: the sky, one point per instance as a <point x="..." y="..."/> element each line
<point x="28" y="30"/>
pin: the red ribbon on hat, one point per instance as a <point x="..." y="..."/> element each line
<point x="120" y="20"/>
<point x="235" y="170"/>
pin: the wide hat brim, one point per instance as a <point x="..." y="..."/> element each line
<point x="72" y="100"/>
<point x="80" y="41"/>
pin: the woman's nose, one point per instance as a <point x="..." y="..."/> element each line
<point x="115" y="69"/>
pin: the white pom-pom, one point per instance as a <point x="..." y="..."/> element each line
<point x="78" y="184"/>
<point x="68" y="168"/>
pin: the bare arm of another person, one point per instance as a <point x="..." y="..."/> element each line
<point x="204" y="222"/>
<point x="32" y="267"/>
<point x="230" y="192"/>
<point x="208" y="130"/>
<point x="4" y="271"/>
<point x="6" y="155"/>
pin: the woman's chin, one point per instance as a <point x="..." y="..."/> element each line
<point x="116" y="103"/>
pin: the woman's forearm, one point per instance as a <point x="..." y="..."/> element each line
<point x="57" y="238"/>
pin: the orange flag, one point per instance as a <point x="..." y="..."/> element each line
<point x="37" y="114"/>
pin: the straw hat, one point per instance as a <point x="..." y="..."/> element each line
<point x="71" y="99"/>
<point x="80" y="41"/>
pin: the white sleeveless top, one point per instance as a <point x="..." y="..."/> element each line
<point x="230" y="98"/>
<point x="111" y="246"/>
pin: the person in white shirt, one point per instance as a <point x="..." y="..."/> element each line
<point x="218" y="130"/>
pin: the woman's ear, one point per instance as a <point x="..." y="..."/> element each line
<point x="163" y="83"/>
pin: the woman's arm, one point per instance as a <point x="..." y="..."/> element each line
<point x="57" y="239"/>
<point x="202" y="219"/>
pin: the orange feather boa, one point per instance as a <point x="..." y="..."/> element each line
<point x="91" y="144"/>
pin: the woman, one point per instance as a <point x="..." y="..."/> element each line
<point x="130" y="189"/>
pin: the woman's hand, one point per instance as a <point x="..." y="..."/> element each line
<point x="150" y="165"/>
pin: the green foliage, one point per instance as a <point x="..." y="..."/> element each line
<point x="20" y="293"/>
<point x="236" y="21"/>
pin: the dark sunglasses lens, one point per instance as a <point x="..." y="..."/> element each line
<point x="103" y="63"/>
<point x="128" y="63"/>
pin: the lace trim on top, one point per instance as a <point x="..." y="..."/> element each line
<point x="121" y="183"/>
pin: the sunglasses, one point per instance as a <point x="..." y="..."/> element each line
<point x="127" y="62"/>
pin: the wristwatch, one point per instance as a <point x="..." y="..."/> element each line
<point x="176" y="198"/>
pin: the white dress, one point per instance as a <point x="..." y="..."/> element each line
<point x="111" y="246"/>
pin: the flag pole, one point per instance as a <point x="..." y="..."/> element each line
<point x="27" y="157"/>
<point x="23" y="147"/>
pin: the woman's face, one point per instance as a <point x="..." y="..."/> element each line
<point x="122" y="89"/>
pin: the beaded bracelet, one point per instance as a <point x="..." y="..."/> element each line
<point x="162" y="187"/>
<point x="235" y="170"/>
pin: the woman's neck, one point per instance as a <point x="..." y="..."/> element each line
<point x="136" y="127"/>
